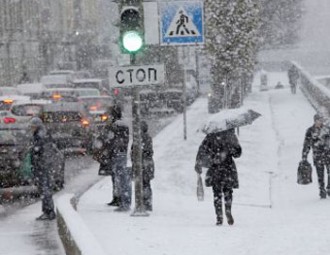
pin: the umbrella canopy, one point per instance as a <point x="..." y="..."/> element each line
<point x="228" y="119"/>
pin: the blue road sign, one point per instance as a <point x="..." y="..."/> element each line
<point x="181" y="23"/>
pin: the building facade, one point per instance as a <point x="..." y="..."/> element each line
<point x="37" y="36"/>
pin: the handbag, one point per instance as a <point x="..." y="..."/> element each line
<point x="25" y="169"/>
<point x="304" y="174"/>
<point x="200" y="189"/>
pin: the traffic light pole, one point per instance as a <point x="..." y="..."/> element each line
<point x="137" y="152"/>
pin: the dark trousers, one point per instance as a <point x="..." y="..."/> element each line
<point x="46" y="194"/>
<point x="218" y="190"/>
<point x="122" y="178"/>
<point x="320" y="168"/>
<point x="147" y="195"/>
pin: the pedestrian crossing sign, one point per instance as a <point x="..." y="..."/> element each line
<point x="181" y="23"/>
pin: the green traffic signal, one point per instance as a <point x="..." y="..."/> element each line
<point x="132" y="41"/>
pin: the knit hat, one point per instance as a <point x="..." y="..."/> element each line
<point x="318" y="117"/>
<point x="36" y="122"/>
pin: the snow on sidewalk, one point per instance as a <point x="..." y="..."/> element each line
<point x="273" y="215"/>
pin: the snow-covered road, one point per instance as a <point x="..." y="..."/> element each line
<point x="21" y="234"/>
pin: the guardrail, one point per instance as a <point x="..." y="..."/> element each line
<point x="316" y="93"/>
<point x="74" y="233"/>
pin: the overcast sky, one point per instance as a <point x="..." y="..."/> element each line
<point x="315" y="31"/>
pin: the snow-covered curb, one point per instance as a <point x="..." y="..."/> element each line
<point x="75" y="235"/>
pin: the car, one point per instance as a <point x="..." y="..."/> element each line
<point x="14" y="141"/>
<point x="84" y="92"/>
<point x="88" y="83"/>
<point x="7" y="101"/>
<point x="61" y="94"/>
<point x="33" y="90"/>
<point x="9" y="91"/>
<point x="23" y="111"/>
<point x="96" y="107"/>
<point x="3" y="114"/>
<point x="57" y="81"/>
<point x="15" y="168"/>
<point x="69" y="125"/>
<point x="174" y="99"/>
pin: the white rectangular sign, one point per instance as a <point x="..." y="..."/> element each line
<point x="128" y="76"/>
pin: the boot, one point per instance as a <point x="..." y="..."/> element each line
<point x="115" y="202"/>
<point x="230" y="218"/>
<point x="323" y="193"/>
<point x="219" y="220"/>
<point x="47" y="216"/>
<point x="218" y="212"/>
<point x="328" y="187"/>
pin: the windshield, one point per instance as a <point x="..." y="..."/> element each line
<point x="93" y="104"/>
<point x="94" y="85"/>
<point x="26" y="110"/>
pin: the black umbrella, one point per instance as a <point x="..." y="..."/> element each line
<point x="228" y="119"/>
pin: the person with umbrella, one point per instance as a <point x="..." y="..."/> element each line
<point x="216" y="153"/>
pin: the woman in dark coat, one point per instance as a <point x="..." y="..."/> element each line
<point x="43" y="167"/>
<point x="216" y="153"/>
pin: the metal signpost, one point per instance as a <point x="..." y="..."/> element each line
<point x="182" y="24"/>
<point x="134" y="77"/>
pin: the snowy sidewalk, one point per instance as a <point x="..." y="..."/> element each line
<point x="273" y="214"/>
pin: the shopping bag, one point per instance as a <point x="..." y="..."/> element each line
<point x="200" y="189"/>
<point x="25" y="170"/>
<point x="304" y="174"/>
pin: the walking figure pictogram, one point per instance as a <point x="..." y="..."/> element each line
<point x="183" y="20"/>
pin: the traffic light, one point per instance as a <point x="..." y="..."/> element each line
<point x="131" y="30"/>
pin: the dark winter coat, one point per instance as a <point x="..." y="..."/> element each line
<point x="43" y="150"/>
<point x="217" y="152"/>
<point x="114" y="140"/>
<point x="148" y="164"/>
<point x="317" y="139"/>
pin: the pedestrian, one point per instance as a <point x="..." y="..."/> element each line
<point x="115" y="138"/>
<point x="216" y="153"/>
<point x="42" y="150"/>
<point x="317" y="138"/>
<point x="293" y="75"/>
<point x="101" y="154"/>
<point x="148" y="166"/>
